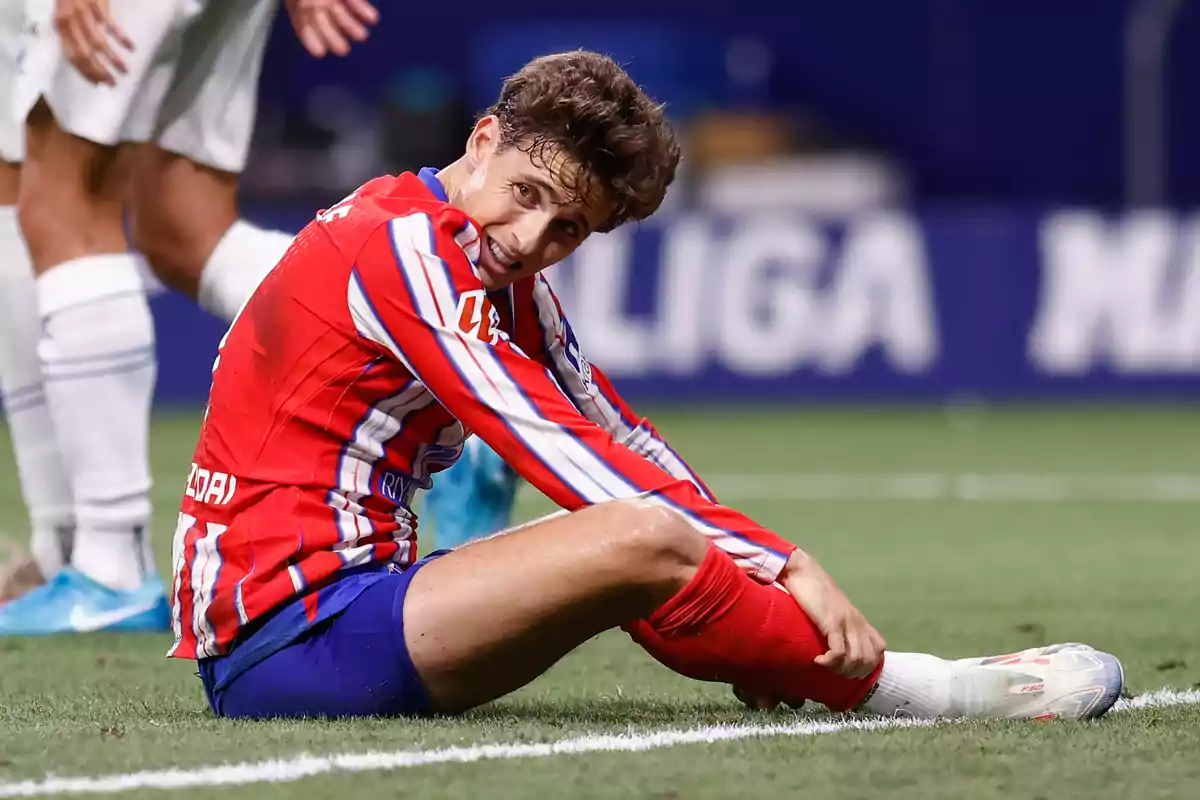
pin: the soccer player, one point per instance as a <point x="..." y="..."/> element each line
<point x="410" y="316"/>
<point x="147" y="106"/>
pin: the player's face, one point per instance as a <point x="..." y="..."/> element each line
<point x="528" y="217"/>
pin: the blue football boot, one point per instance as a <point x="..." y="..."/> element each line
<point x="71" y="602"/>
<point x="473" y="498"/>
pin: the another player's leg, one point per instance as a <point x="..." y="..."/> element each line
<point x="98" y="364"/>
<point x="186" y="223"/>
<point x="185" y="210"/>
<point x="45" y="485"/>
<point x="472" y="499"/>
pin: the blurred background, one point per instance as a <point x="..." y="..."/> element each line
<point x="930" y="200"/>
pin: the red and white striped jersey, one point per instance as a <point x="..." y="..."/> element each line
<point x="355" y="373"/>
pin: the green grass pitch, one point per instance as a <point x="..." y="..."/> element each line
<point x="1093" y="536"/>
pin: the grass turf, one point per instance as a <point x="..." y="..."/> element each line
<point x="941" y="575"/>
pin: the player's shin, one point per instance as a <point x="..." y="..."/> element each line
<point x="98" y="362"/>
<point x="237" y="265"/>
<point x="725" y="627"/>
<point x="45" y="485"/>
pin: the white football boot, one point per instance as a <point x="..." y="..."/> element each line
<point x="1062" y="681"/>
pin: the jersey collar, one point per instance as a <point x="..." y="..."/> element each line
<point x="429" y="177"/>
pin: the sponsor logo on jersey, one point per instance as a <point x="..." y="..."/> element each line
<point x="477" y="317"/>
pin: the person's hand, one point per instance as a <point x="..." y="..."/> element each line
<point x="91" y="39"/>
<point x="329" y="26"/>
<point x="855" y="648"/>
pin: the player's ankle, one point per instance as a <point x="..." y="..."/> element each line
<point x="115" y="558"/>
<point x="52" y="542"/>
<point x="911" y="685"/>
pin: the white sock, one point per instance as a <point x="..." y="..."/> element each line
<point x="912" y="685"/>
<point x="99" y="367"/>
<point x="238" y="264"/>
<point x="45" y="485"/>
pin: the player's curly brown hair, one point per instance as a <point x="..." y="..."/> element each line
<point x="585" y="106"/>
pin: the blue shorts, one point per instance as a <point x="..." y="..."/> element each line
<point x="355" y="663"/>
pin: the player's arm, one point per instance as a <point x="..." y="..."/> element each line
<point x="329" y="26"/>
<point x="592" y="392"/>
<point x="402" y="296"/>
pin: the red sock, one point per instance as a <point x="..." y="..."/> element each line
<point x="725" y="627"/>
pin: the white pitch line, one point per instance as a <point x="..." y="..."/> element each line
<point x="967" y="487"/>
<point x="307" y="766"/>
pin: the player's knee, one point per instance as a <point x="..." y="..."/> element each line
<point x="71" y="196"/>
<point x="10" y="183"/>
<point x="157" y="237"/>
<point x="660" y="541"/>
<point x="176" y="235"/>
<point x="34" y="215"/>
<point x="180" y="212"/>
<point x="47" y="223"/>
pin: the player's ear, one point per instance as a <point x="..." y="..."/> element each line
<point x="484" y="140"/>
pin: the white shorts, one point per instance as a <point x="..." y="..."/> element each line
<point x="191" y="85"/>
<point x="12" y="128"/>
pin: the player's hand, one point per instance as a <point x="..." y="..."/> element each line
<point x="329" y="26"/>
<point x="91" y="39"/>
<point x="855" y="648"/>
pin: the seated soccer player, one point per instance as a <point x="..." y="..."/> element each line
<point x="410" y="316"/>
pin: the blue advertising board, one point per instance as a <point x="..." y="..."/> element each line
<point x="926" y="306"/>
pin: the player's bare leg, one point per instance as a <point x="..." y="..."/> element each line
<point x="485" y="620"/>
<point x="44" y="484"/>
<point x="96" y="350"/>
<point x="186" y="223"/>
<point x="490" y="617"/>
<point x="72" y="194"/>
<point x="39" y="466"/>
<point x="479" y="626"/>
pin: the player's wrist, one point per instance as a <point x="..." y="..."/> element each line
<point x="798" y="563"/>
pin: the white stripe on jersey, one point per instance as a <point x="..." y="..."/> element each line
<point x="182" y="526"/>
<point x="429" y="280"/>
<point x="573" y="462"/>
<point x="471" y="241"/>
<point x="239" y="601"/>
<point x="379" y="425"/>
<point x="589" y="399"/>
<point x="298" y="582"/>
<point x="641" y="441"/>
<point x="367" y="322"/>
<point x="557" y="338"/>
<point x="357" y="556"/>
<point x="206" y="566"/>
